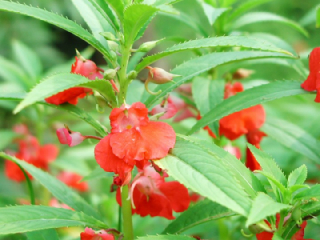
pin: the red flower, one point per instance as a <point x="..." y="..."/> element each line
<point x="233" y="150"/>
<point x="86" y="68"/>
<point x="232" y="89"/>
<point x="133" y="140"/>
<point x="70" y="138"/>
<point x="167" y="107"/>
<point x="55" y="203"/>
<point x="254" y="137"/>
<point x="151" y="195"/>
<point x="89" y="234"/>
<point x="312" y="83"/>
<point x="73" y="181"/>
<point x="33" y="153"/>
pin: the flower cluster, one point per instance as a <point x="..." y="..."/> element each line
<point x="89" y="234"/>
<point x="133" y="140"/>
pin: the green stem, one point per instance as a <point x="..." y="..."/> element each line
<point x="126" y="214"/>
<point x="280" y="226"/>
<point x="29" y="184"/>
<point x="223" y="229"/>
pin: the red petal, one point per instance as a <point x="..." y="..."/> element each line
<point x="251" y="161"/>
<point x="264" y="236"/>
<point x="177" y="194"/>
<point x="255" y="136"/>
<point x="73" y="181"/>
<point x="110" y="162"/>
<point x="153" y="141"/>
<point x="70" y="95"/>
<point x="310" y="84"/>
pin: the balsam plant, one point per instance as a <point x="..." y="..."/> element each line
<point x="141" y="151"/>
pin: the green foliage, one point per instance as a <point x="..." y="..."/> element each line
<point x="117" y="7"/>
<point x="313" y="192"/>
<point x="249" y="98"/>
<point x="56" y="20"/>
<point x="19" y="219"/>
<point x="264" y="206"/>
<point x="191" y="164"/>
<point x="294" y="137"/>
<point x="203" y="211"/>
<point x="62" y="81"/>
<point x="61" y="191"/>
<point x="166" y="237"/>
<point x="244" y="7"/>
<point x="97" y="173"/>
<point x="6" y="137"/>
<point x="48" y="234"/>
<point x="215" y="42"/>
<point x="318" y="16"/>
<point x="298" y="176"/>
<point x="213" y="13"/>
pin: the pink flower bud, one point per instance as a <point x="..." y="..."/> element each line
<point x="159" y="76"/>
<point x="242" y="73"/>
<point x="70" y="138"/>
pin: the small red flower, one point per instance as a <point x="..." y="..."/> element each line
<point x="86" y="68"/>
<point x="312" y="83"/>
<point x="89" y="234"/>
<point x="151" y="195"/>
<point x="233" y="150"/>
<point x="232" y="89"/>
<point x="167" y="107"/>
<point x="70" y="138"/>
<point x="133" y="140"/>
<point x="254" y="137"/>
<point x="73" y="181"/>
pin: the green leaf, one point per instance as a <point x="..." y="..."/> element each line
<point x="72" y="109"/>
<point x="264" y="206"/>
<point x="262" y="17"/>
<point x="212" y="13"/>
<point x="56" y="20"/>
<point x="318" y="16"/>
<point x="208" y="93"/>
<point x="107" y="13"/>
<point x="268" y="164"/>
<point x="224" y="41"/>
<point x="192" y="165"/>
<point x="313" y="192"/>
<point x="310" y="208"/>
<point x="28" y="60"/>
<point x="59" y="190"/>
<point x="117" y="6"/>
<point x="202" y="212"/>
<point x="293" y="137"/>
<point x="11" y="72"/>
<point x="96" y="22"/>
<point x="62" y="81"/>
<point x="48" y="234"/>
<point x="6" y="137"/>
<point x="272" y="179"/>
<point x="166" y="237"/>
<point x="245" y="7"/>
<point x="135" y="17"/>
<point x="97" y="174"/>
<point x="298" y="176"/>
<point x="249" y="98"/>
<point x="19" y="219"/>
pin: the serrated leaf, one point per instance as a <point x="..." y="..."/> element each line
<point x="224" y="41"/>
<point x="28" y="60"/>
<point x="298" y="187"/>
<point x="207" y="93"/>
<point x="264" y="206"/>
<point x="268" y="164"/>
<point x="204" y="173"/>
<point x="11" y="72"/>
<point x="298" y="176"/>
<point x="313" y="192"/>
<point x="272" y="179"/>
<point x="262" y="17"/>
<point x="97" y="173"/>
<point x="56" y="20"/>
<point x="117" y="6"/>
<point x="19" y="219"/>
<point x="135" y="17"/>
<point x="212" y="13"/>
<point x="202" y="64"/>
<point x="6" y="137"/>
<point x="58" y="189"/>
<point x="202" y="212"/>
<point x="293" y="137"/>
<point x="47" y="234"/>
<point x="276" y="237"/>
<point x="72" y="109"/>
<point x="95" y="21"/>
<point x="244" y="7"/>
<point x="166" y="237"/>
<point x="310" y="208"/>
<point x="318" y="16"/>
<point x="248" y="98"/>
<point x="62" y="81"/>
<point x="107" y="13"/>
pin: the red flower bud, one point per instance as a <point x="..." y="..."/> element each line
<point x="71" y="138"/>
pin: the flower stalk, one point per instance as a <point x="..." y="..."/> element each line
<point x="126" y="213"/>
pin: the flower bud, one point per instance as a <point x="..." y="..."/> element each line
<point x="159" y="76"/>
<point x="113" y="46"/>
<point x="109" y="74"/>
<point x="242" y="73"/>
<point x="71" y="138"/>
<point x="132" y="74"/>
<point x="147" y="46"/>
<point x="108" y="36"/>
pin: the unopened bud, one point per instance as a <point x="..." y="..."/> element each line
<point x="108" y="36"/>
<point x="113" y="46"/>
<point x="109" y="74"/>
<point x="147" y="46"/>
<point x="132" y="74"/>
<point x="160" y="76"/>
<point x="80" y="56"/>
<point x="114" y="56"/>
<point x="242" y="73"/>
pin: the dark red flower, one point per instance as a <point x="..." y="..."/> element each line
<point x="89" y="234"/>
<point x="312" y="83"/>
<point x="86" y="68"/>
<point x="133" y="139"/>
<point x="151" y="195"/>
<point x="73" y="181"/>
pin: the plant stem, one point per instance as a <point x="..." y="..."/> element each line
<point x="29" y="184"/>
<point x="280" y="226"/>
<point x="126" y="214"/>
